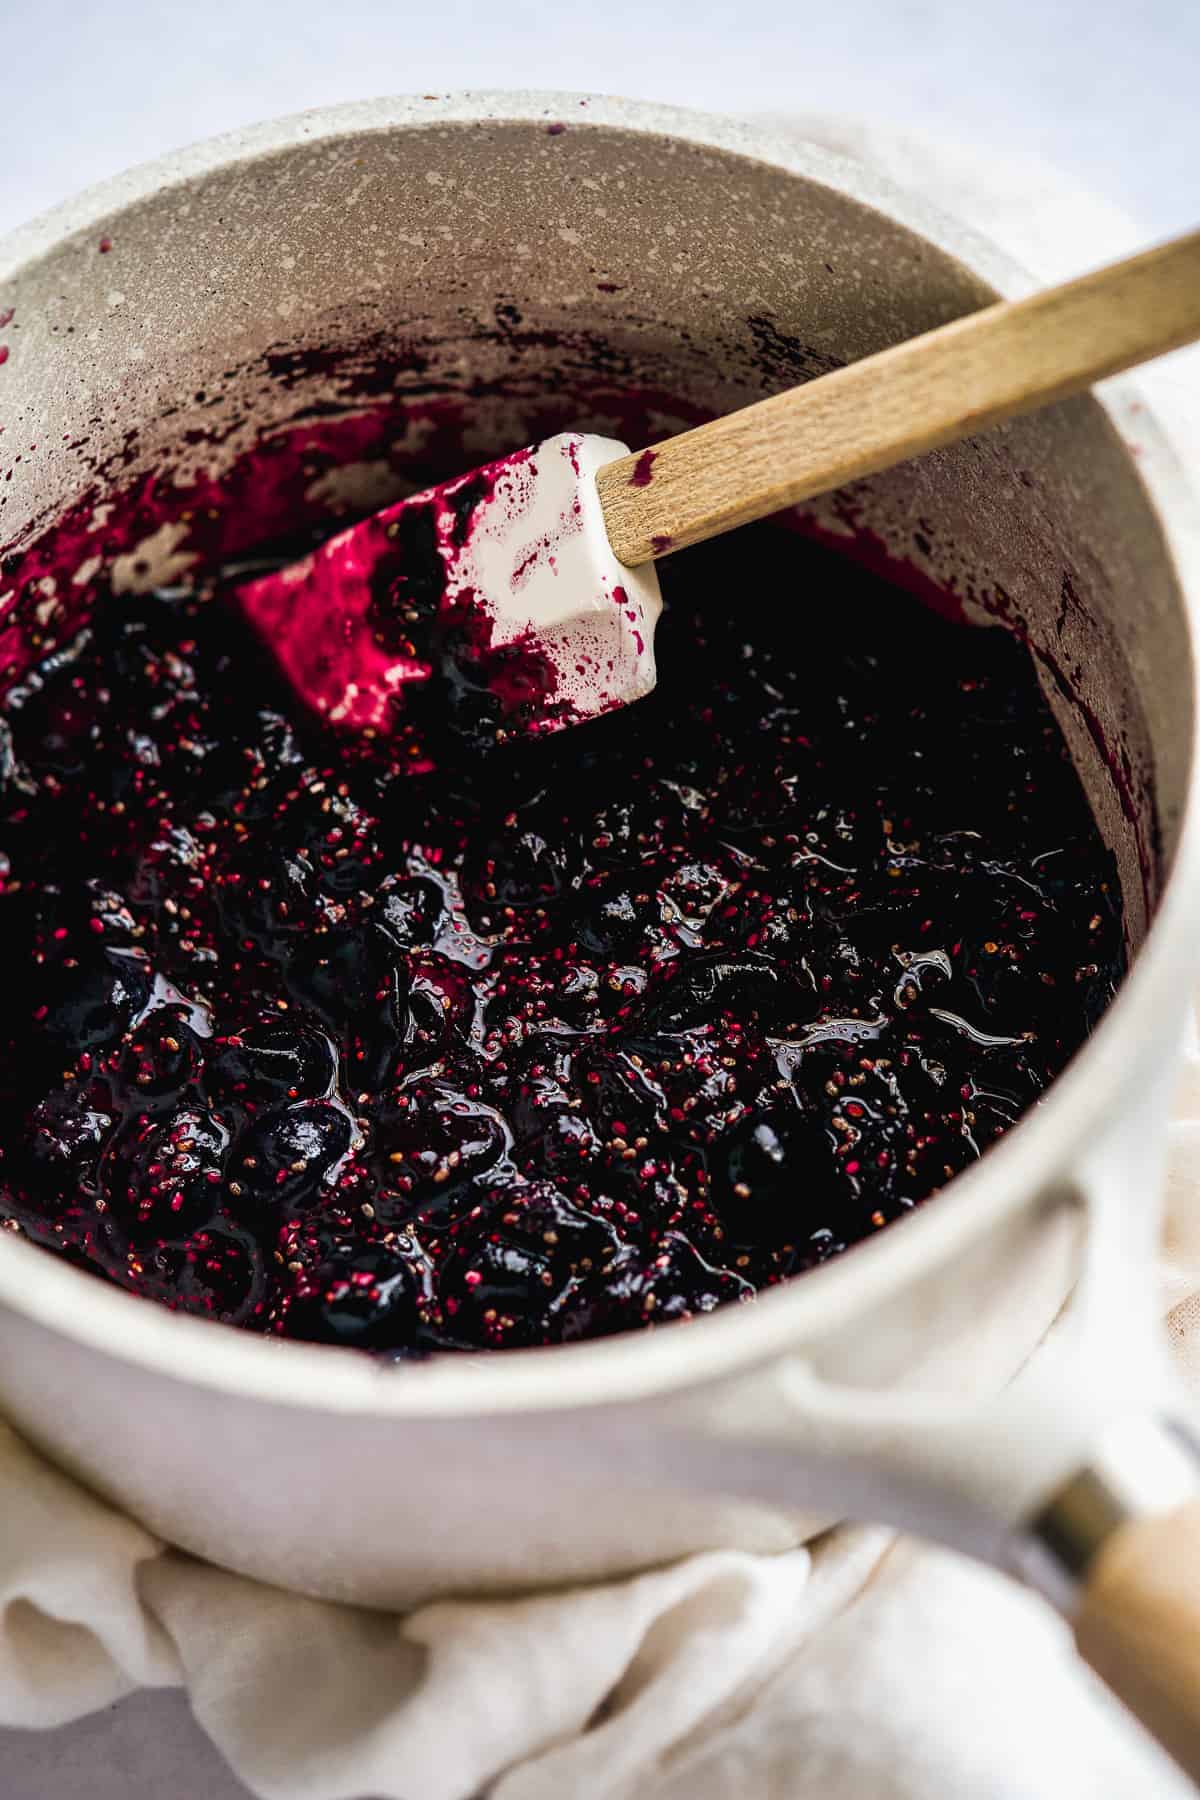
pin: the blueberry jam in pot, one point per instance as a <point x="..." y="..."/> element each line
<point x="415" y="1044"/>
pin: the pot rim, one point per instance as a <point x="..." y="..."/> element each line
<point x="1017" y="1172"/>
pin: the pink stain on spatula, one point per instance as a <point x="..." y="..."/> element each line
<point x="509" y="565"/>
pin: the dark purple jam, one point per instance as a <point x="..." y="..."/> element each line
<point x="419" y="1045"/>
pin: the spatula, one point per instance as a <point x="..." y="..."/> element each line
<point x="535" y="574"/>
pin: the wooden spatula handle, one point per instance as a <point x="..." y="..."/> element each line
<point x="931" y="390"/>
<point x="1138" y="1624"/>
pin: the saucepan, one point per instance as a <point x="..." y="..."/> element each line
<point x="327" y="300"/>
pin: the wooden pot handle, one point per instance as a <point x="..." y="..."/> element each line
<point x="1138" y="1625"/>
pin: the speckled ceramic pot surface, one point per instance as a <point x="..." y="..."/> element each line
<point x="268" y="326"/>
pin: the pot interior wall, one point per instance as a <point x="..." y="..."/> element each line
<point x="311" y="329"/>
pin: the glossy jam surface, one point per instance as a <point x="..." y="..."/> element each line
<point x="428" y="1043"/>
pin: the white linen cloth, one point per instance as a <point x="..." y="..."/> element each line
<point x="861" y="1667"/>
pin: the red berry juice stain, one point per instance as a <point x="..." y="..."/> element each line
<point x="642" y="469"/>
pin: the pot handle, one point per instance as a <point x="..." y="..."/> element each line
<point x="1138" y="1625"/>
<point x="1122" y="1538"/>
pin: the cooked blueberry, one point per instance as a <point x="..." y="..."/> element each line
<point x="777" y="1178"/>
<point x="410" y="913"/>
<point x="341" y="974"/>
<point x="494" y="1293"/>
<point x="89" y="999"/>
<point x="93" y="912"/>
<point x="174" y="858"/>
<point x="159" y="1060"/>
<point x="269" y="904"/>
<point x="243" y="761"/>
<point x="468" y="713"/>
<point x="420" y="1010"/>
<point x="56" y="737"/>
<point x="626" y="829"/>
<point x="695" y="890"/>
<point x="619" y="915"/>
<point x="437" y="1008"/>
<point x="904" y="909"/>
<point x="346" y="877"/>
<point x="895" y="1121"/>
<point x="824" y="967"/>
<point x="673" y="1282"/>
<point x="622" y="1092"/>
<point x="282" y="1158"/>
<point x="219" y="1272"/>
<point x="163" y="1178"/>
<point x="578" y="992"/>
<point x="432" y="1136"/>
<point x="246" y="763"/>
<point x="514" y="1274"/>
<point x="65" y="1138"/>
<point x="762" y="800"/>
<point x="539" y="1081"/>
<point x="696" y="1085"/>
<point x="271" y="1061"/>
<point x="563" y="1145"/>
<point x="373" y="1296"/>
<point x="703" y="989"/>
<point x="519" y="868"/>
<point x="531" y="990"/>
<point x="345" y="850"/>
<point x="553" y="1133"/>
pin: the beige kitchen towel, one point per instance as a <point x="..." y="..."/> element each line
<point x="862" y="1668"/>
<point x="859" y="1668"/>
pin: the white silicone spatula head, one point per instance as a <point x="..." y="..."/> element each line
<point x="506" y="571"/>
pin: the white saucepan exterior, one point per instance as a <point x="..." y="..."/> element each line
<point x="267" y="277"/>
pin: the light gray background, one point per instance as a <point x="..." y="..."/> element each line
<point x="1107" y="89"/>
